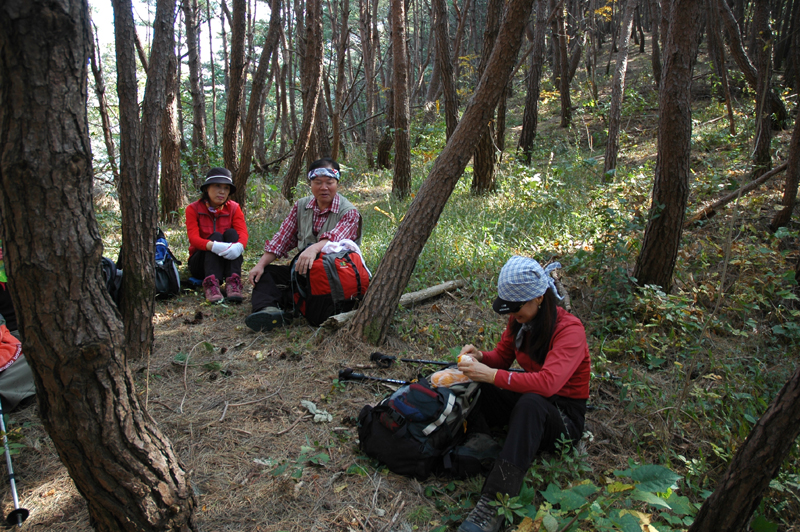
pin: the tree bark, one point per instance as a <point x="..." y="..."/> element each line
<point x="618" y="91"/>
<point x="484" y="156"/>
<point x="563" y="67"/>
<point x="368" y="54"/>
<point x="88" y="403"/>
<point x="213" y="75"/>
<point x="401" y="180"/>
<point x="236" y="76"/>
<point x="754" y="465"/>
<point x="718" y="58"/>
<point x="784" y="214"/>
<point x="341" y="56"/>
<point x="170" y="189"/>
<point x="312" y="80"/>
<point x="102" y="104"/>
<point x="655" y="58"/>
<point x="256" y="97"/>
<point x="530" y="116"/>
<point x="375" y="315"/>
<point x="199" y="147"/>
<point x="762" y="159"/>
<point x="445" y="61"/>
<point x="138" y="184"/>
<point x="774" y="103"/>
<point x="656" y="261"/>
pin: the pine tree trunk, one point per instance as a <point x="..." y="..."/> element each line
<point x="368" y="56"/>
<point x="484" y="156"/>
<point x="170" y="189"/>
<point x="563" y="67"/>
<point x="754" y="465"/>
<point x="102" y="103"/>
<point x="656" y="261"/>
<point x="762" y="158"/>
<point x="530" y="116"/>
<point x="113" y="450"/>
<point x="374" y="317"/>
<point x="655" y="58"/>
<point x="401" y="180"/>
<point x="341" y="56"/>
<point x="191" y="16"/>
<point x="445" y="61"/>
<point x="618" y="91"/>
<point x="312" y="81"/>
<point x="236" y="75"/>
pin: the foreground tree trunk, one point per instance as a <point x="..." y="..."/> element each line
<point x="114" y="451"/>
<point x="618" y="91"/>
<point x="656" y="261"/>
<point x="312" y="83"/>
<point x="754" y="465"/>
<point x="138" y="183"/>
<point x="373" y="318"/>
<point x="401" y="180"/>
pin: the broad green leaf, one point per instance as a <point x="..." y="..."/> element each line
<point x="571" y="500"/>
<point x="761" y="524"/>
<point x="553" y="494"/>
<point x="356" y="469"/>
<point x="208" y="347"/>
<point x="649" y="498"/>
<point x="626" y="522"/>
<point x="550" y="523"/>
<point x="654" y="478"/>
<point x="681" y="505"/>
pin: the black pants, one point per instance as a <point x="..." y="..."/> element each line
<point x="535" y="423"/>
<point x="204" y="263"/>
<point x="273" y="289"/>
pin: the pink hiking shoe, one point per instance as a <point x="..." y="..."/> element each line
<point x="211" y="288"/>
<point x="233" y="285"/>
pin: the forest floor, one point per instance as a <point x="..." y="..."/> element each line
<point x="230" y="399"/>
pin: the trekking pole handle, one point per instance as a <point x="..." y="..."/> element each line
<point x="347" y="374"/>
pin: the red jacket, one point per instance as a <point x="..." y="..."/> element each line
<point x="566" y="368"/>
<point x="200" y="223"/>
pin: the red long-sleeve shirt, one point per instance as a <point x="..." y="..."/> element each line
<point x="222" y="220"/>
<point x="566" y="368"/>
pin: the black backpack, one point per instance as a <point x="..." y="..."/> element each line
<point x="414" y="430"/>
<point x="112" y="276"/>
<point x="168" y="280"/>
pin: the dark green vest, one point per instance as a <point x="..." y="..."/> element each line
<point x="305" y="221"/>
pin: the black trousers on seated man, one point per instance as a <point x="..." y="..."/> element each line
<point x="274" y="288"/>
<point x="535" y="424"/>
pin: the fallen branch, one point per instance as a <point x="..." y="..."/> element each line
<point x="334" y="322"/>
<point x="711" y="210"/>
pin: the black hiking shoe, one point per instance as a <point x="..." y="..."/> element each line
<point x="483" y="518"/>
<point x="267" y="319"/>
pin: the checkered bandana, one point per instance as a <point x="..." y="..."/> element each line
<point x="523" y="279"/>
<point x="327" y="172"/>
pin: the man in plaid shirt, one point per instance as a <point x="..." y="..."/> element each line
<point x="314" y="221"/>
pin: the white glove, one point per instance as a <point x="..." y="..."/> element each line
<point x="234" y="251"/>
<point x="219" y="248"/>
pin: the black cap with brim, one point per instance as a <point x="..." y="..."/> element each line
<point x="501" y="306"/>
<point x="221" y="179"/>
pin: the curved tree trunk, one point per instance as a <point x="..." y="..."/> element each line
<point x="114" y="451"/>
<point x="445" y="61"/>
<point x="484" y="156"/>
<point x="401" y="180"/>
<point x="373" y="318"/>
<point x="618" y="91"/>
<point x="754" y="465"/>
<point x="530" y="116"/>
<point x="312" y="82"/>
<point x="138" y="184"/>
<point x="656" y="261"/>
<point x="230" y="129"/>
<point x="256" y="97"/>
<point x="170" y="189"/>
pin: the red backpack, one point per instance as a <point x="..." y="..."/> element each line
<point x="336" y="283"/>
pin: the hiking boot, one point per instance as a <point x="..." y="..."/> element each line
<point x="211" y="289"/>
<point x="265" y="319"/>
<point x="482" y="518"/>
<point x="233" y="285"/>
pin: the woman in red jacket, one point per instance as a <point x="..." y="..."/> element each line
<point x="541" y="405"/>
<point x="217" y="237"/>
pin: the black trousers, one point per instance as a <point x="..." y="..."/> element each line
<point x="204" y="263"/>
<point x="273" y="289"/>
<point x="535" y="423"/>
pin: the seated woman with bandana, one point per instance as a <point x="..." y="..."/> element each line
<point x="315" y="220"/>
<point x="540" y="406"/>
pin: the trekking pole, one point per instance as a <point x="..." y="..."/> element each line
<point x="18" y="515"/>
<point x="347" y="374"/>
